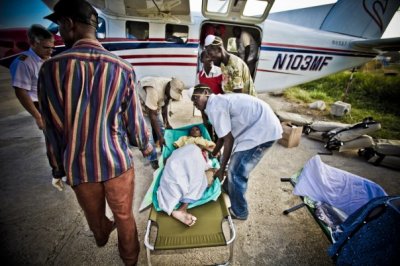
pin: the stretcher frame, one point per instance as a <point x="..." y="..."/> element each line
<point x="208" y="230"/>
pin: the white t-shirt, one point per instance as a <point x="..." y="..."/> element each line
<point x="251" y="121"/>
<point x="214" y="72"/>
<point x="245" y="40"/>
<point x="25" y="72"/>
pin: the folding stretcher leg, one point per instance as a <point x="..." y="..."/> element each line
<point x="287" y="211"/>
<point x="299" y="206"/>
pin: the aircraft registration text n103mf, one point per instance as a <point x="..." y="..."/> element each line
<point x="301" y="62"/>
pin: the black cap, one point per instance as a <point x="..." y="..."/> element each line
<point x="77" y="10"/>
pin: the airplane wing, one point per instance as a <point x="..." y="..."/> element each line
<point x="365" y="19"/>
<point x="174" y="10"/>
<point x="384" y="45"/>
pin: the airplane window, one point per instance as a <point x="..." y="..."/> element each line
<point x="218" y="6"/>
<point x="53" y="28"/>
<point x="101" y="28"/>
<point x="137" y="30"/>
<point x="100" y="33"/>
<point x="255" y="8"/>
<point x="176" y="33"/>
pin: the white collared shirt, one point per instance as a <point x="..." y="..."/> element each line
<point x="251" y="120"/>
<point x="25" y="71"/>
<point x="214" y="72"/>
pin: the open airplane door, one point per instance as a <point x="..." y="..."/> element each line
<point x="237" y="11"/>
<point x="225" y="15"/>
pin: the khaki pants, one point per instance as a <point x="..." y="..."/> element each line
<point x="119" y="194"/>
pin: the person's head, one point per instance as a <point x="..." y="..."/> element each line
<point x="205" y="59"/>
<point x="215" y="48"/>
<point x="195" y="132"/>
<point x="41" y="41"/>
<point x="200" y="95"/>
<point x="77" y="19"/>
<point x="236" y="31"/>
<point x="174" y="89"/>
<point x="219" y="30"/>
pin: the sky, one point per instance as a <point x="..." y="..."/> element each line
<point x="23" y="13"/>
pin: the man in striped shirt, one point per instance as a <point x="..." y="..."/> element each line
<point x="92" y="114"/>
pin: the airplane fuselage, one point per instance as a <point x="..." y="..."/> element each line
<point x="288" y="54"/>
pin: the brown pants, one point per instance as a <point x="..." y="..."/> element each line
<point x="119" y="194"/>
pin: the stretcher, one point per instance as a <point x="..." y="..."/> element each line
<point x="362" y="223"/>
<point x="166" y="233"/>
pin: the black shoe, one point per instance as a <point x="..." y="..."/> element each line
<point x="236" y="217"/>
<point x="154" y="164"/>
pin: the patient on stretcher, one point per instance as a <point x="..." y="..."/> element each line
<point x="205" y="145"/>
<point x="195" y="137"/>
<point x="184" y="178"/>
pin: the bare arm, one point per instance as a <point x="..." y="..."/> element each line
<point x="164" y="113"/>
<point x="227" y="142"/>
<point x="153" y="120"/>
<point x="27" y="103"/>
<point x="218" y="146"/>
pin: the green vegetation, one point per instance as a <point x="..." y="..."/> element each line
<point x="371" y="94"/>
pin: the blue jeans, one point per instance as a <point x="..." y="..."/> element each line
<point x="240" y="165"/>
<point x="153" y="155"/>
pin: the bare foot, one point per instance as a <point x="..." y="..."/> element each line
<point x="184" y="217"/>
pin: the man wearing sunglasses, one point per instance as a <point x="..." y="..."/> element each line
<point x="25" y="69"/>
<point x="246" y="127"/>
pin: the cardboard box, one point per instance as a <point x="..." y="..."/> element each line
<point x="291" y="135"/>
<point x="340" y="108"/>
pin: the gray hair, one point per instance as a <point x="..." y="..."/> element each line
<point x="37" y="33"/>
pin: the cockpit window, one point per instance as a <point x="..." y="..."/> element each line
<point x="101" y="28"/>
<point x="100" y="33"/>
<point x="53" y="28"/>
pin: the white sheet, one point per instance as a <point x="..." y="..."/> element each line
<point x="183" y="178"/>
<point x="336" y="187"/>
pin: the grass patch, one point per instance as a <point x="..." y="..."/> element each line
<point x="370" y="94"/>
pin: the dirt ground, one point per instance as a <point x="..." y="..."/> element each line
<point x="41" y="226"/>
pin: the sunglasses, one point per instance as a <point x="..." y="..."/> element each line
<point x="195" y="96"/>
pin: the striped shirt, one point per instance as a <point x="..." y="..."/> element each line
<point x="91" y="112"/>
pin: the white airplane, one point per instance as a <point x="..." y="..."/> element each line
<point x="163" y="37"/>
